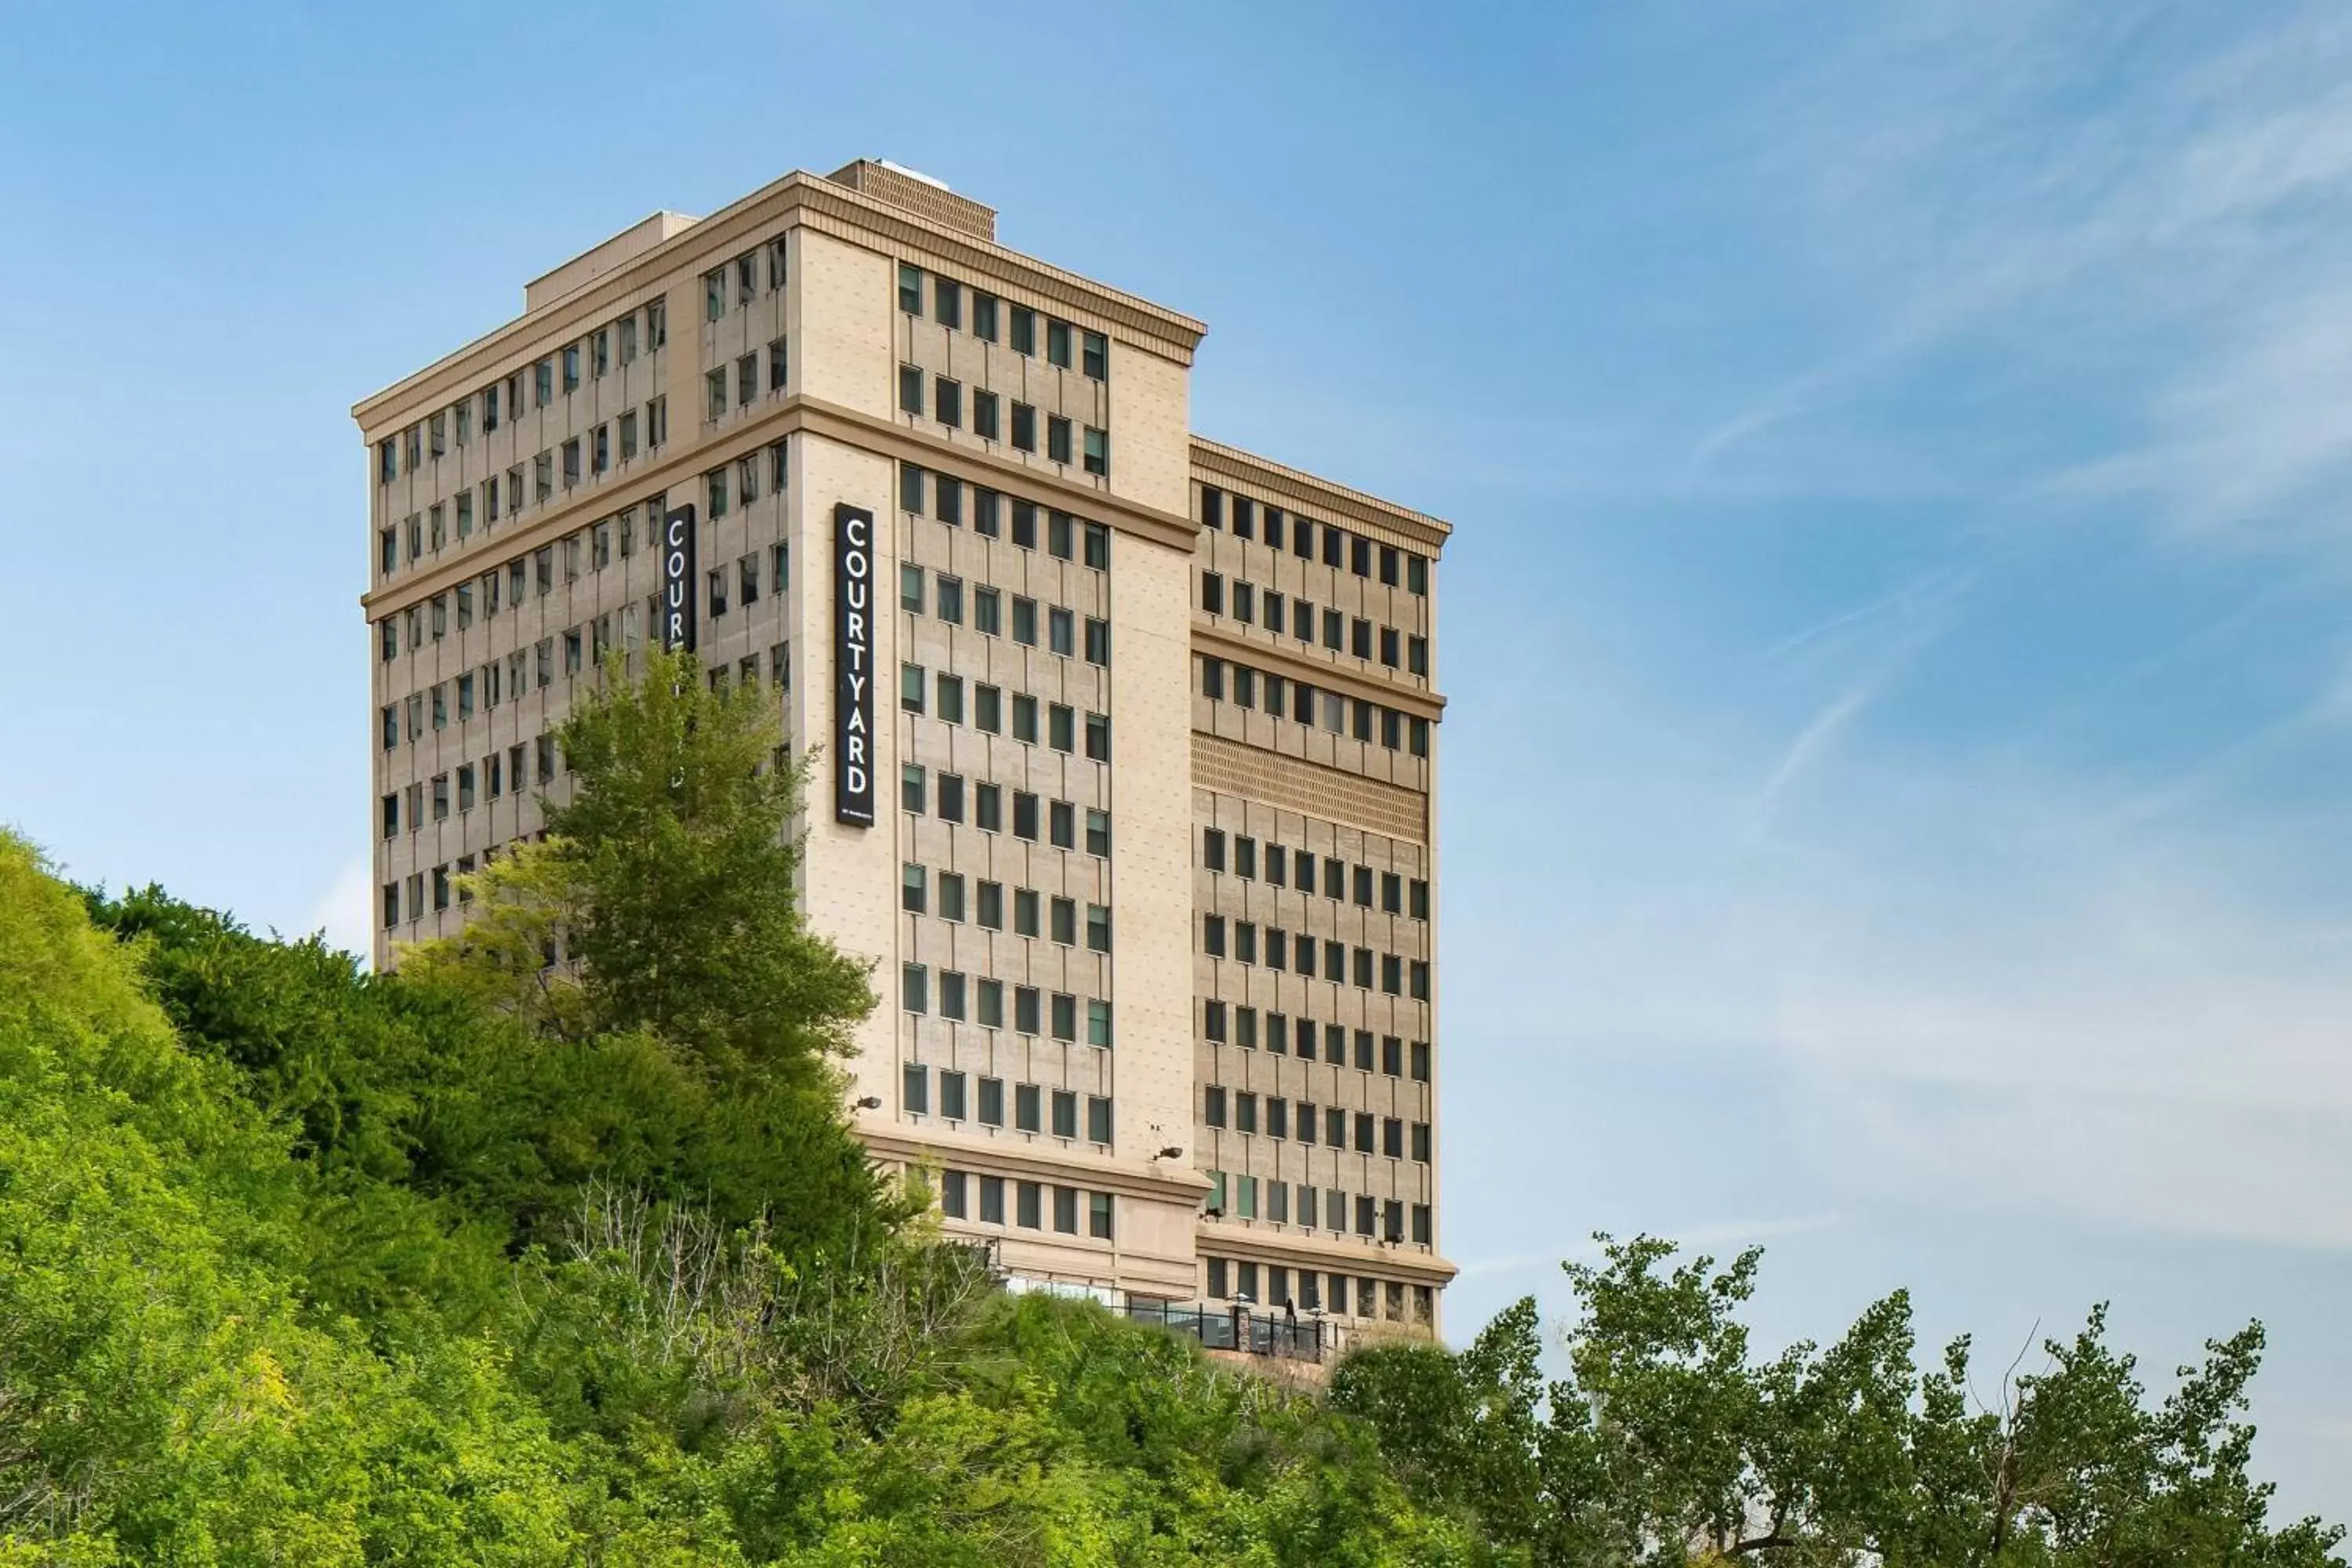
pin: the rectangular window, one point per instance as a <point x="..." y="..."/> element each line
<point x="1098" y="1023"/>
<point x="910" y="389"/>
<point x="1061" y="631"/>
<point x="1098" y="1216"/>
<point x="1066" y="1114"/>
<point x="992" y="1200"/>
<point x="910" y="288"/>
<point x="1027" y="1108"/>
<point x="910" y="688"/>
<point x="914" y="988"/>
<point x="1057" y="343"/>
<point x="917" y="1089"/>
<point x="947" y="401"/>
<point x="910" y="488"/>
<point x="1024" y="622"/>
<point x="985" y="407"/>
<point x="1094" y="355"/>
<point x="1098" y="641"/>
<point x="1097" y="450"/>
<point x="1024" y="427"/>
<point x="991" y="1101"/>
<point x="947" y="303"/>
<point x="1058" y="438"/>
<point x="955" y="1187"/>
<point x="1025" y="330"/>
<point x="910" y="788"/>
<point x="747" y="379"/>
<point x="1027" y="1198"/>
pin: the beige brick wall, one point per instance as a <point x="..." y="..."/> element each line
<point x="845" y="295"/>
<point x="1151" y="429"/>
<point x="851" y="874"/>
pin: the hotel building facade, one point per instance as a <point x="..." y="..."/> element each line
<point x="1143" y="850"/>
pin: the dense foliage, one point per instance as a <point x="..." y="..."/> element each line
<point x="489" y="1262"/>
<point x="509" y="1261"/>
<point x="1670" y="1442"/>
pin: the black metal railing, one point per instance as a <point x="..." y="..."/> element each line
<point x="1240" y="1328"/>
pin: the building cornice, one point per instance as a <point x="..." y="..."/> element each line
<point x="1159" y="1181"/>
<point x="1415" y="1266"/>
<point x="800" y="197"/>
<point x="1216" y="463"/>
<point x="1219" y="643"/>
<point x="795" y="414"/>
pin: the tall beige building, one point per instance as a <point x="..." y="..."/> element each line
<point x="1129" y="794"/>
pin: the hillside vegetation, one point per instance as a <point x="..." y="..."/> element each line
<point x="495" y="1261"/>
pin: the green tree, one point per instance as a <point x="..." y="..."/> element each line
<point x="669" y="879"/>
<point x="687" y="1041"/>
<point x="1670" y="1441"/>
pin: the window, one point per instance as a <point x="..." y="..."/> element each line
<point x="988" y="808"/>
<point x="1097" y="450"/>
<point x="1099" y="1026"/>
<point x="718" y="585"/>
<point x="776" y="365"/>
<point x="1066" y="1114"/>
<point x="1057" y="343"/>
<point x="1058" y="438"/>
<point x="1027" y="1108"/>
<point x="988" y="709"/>
<point x="992" y="1200"/>
<point x="1098" y="1216"/>
<point x="1026" y="1199"/>
<point x="1024" y="622"/>
<point x="910" y="688"/>
<point x="914" y="988"/>
<point x="984" y="405"/>
<point x="714" y="295"/>
<point x="910" y="488"/>
<point x="951" y="502"/>
<point x="1212" y="1105"/>
<point x="910" y="288"/>
<point x="991" y="901"/>
<point x="1095" y="356"/>
<point x="747" y="378"/>
<point x="1025" y="330"/>
<point x="991" y="1101"/>
<point x="571" y="367"/>
<point x="914" y="889"/>
<point x="950" y="597"/>
<point x="951" y="810"/>
<point x="950" y="698"/>
<point x="1024" y="427"/>
<point x="954" y="1188"/>
<point x="1024" y="524"/>
<point x="1025" y="923"/>
<point x="986" y="605"/>
<point x="1213" y="935"/>
<point x="1066" y="921"/>
<point x="917" y="1092"/>
<point x="1061" y="630"/>
<point x="910" y="788"/>
<point x="1097" y="928"/>
<point x="947" y="401"/>
<point x="911" y="587"/>
<point x="1097" y="831"/>
<point x="910" y="389"/>
<point x="1098" y="641"/>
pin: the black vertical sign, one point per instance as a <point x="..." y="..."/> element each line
<point x="853" y="663"/>
<point x="678" y="580"/>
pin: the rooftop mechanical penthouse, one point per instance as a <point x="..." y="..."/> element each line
<point x="1129" y="738"/>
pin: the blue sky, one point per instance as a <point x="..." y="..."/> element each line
<point x="1896" y="786"/>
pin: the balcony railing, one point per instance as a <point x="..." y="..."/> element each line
<point x="1283" y="1336"/>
